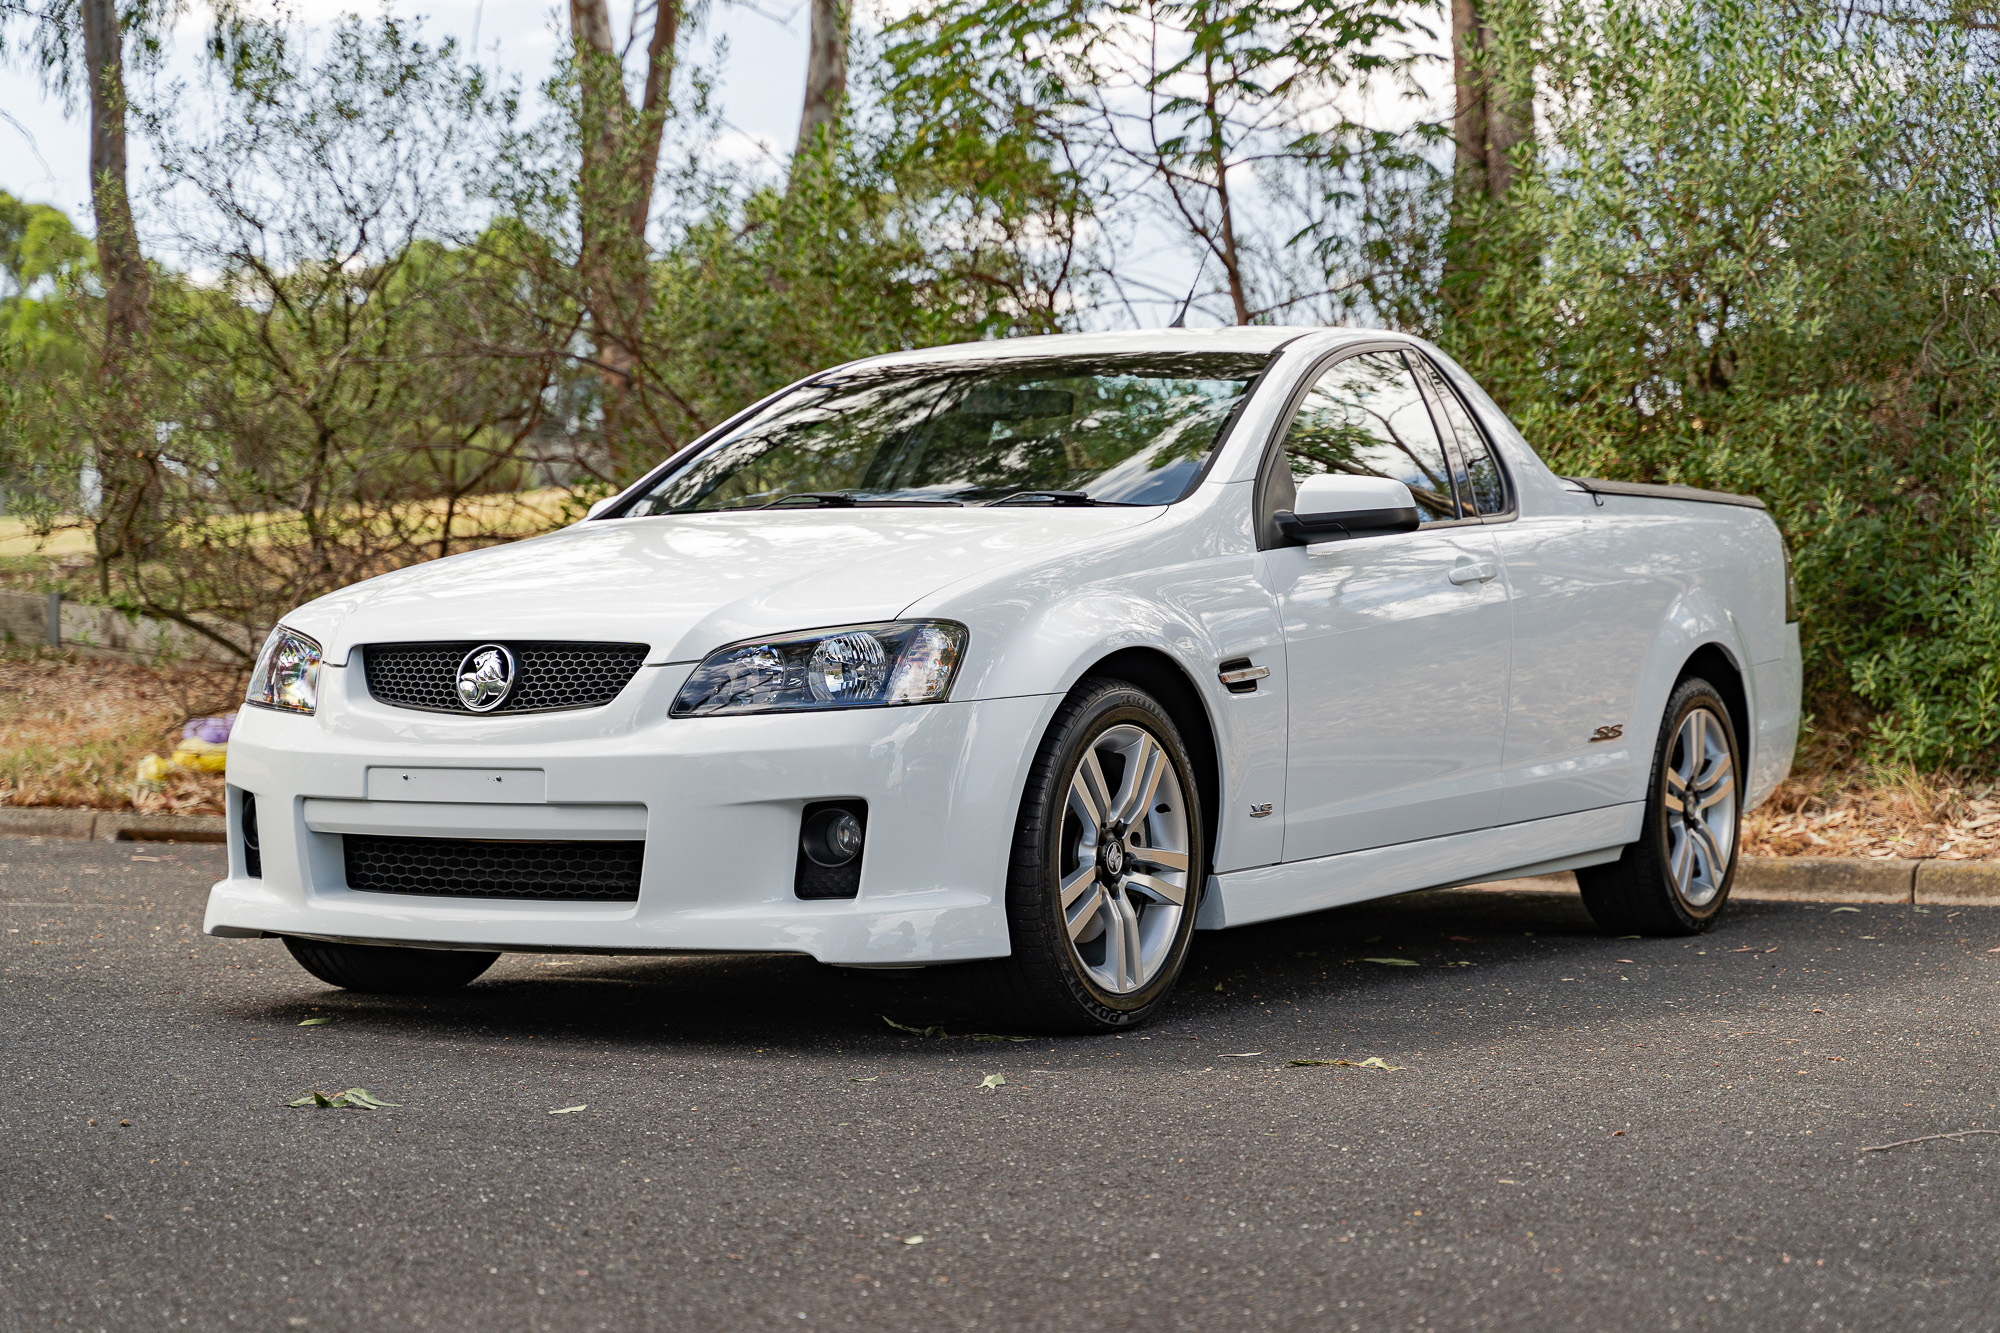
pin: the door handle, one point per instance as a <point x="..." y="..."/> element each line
<point x="1474" y="572"/>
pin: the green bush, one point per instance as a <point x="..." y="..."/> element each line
<point x="1753" y="251"/>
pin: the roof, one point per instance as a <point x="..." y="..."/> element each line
<point x="1251" y="338"/>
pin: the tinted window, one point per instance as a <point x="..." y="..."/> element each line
<point x="1365" y="416"/>
<point x="1121" y="429"/>
<point x="1480" y="487"/>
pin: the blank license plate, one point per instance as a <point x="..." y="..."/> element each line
<point x="491" y="786"/>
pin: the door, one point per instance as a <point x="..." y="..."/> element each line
<point x="1396" y="647"/>
<point x="1587" y="595"/>
<point x="1591" y="594"/>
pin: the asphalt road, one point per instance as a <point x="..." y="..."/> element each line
<point x="1579" y="1132"/>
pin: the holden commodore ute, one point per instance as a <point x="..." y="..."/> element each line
<point x="1032" y="659"/>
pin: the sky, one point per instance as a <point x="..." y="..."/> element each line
<point x="44" y="153"/>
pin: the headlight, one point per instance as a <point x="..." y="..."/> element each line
<point x="854" y="666"/>
<point x="287" y="673"/>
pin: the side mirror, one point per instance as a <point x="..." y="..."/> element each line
<point x="1334" y="506"/>
<point x="599" y="507"/>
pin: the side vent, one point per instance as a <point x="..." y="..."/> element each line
<point x="253" y="851"/>
<point x="1239" y="676"/>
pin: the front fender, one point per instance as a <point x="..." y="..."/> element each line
<point x="1044" y="630"/>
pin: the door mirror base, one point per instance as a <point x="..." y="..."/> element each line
<point x="1339" y="506"/>
<point x="1303" y="529"/>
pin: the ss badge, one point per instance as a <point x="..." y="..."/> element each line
<point x="1606" y="734"/>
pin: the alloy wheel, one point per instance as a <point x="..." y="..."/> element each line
<point x="1701" y="806"/>
<point x="1124" y="859"/>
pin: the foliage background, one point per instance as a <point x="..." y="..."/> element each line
<point x="1746" y="244"/>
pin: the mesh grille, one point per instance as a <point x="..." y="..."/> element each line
<point x="548" y="676"/>
<point x="596" y="872"/>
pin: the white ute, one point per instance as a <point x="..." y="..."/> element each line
<point x="1044" y="653"/>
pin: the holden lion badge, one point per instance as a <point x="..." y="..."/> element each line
<point x="485" y="677"/>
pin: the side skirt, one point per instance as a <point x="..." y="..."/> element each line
<point x="1537" y="847"/>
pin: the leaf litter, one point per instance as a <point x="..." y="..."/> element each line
<point x="1372" y="1062"/>
<point x="353" y="1098"/>
<point x="1392" y="962"/>
<point x="948" y="1036"/>
<point x="992" y="1081"/>
<point x="314" y="1022"/>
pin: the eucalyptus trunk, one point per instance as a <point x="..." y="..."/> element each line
<point x="1493" y="116"/>
<point x="826" y="71"/>
<point x="127" y="462"/>
<point x="620" y="160"/>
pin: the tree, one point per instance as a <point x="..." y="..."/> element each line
<point x="1181" y="106"/>
<point x="1493" y="113"/>
<point x="1492" y="126"/>
<point x="826" y="71"/>
<point x="59" y="32"/>
<point x="619" y="146"/>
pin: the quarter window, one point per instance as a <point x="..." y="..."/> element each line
<point x="1480" y="487"/>
<point x="1365" y="417"/>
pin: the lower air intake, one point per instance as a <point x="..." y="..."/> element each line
<point x="571" y="872"/>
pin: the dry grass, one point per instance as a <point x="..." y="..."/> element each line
<point x="73" y="729"/>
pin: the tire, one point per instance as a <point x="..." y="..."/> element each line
<point x="1108" y="959"/>
<point x="374" y="969"/>
<point x="1676" y="878"/>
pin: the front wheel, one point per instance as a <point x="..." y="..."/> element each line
<point x="1675" y="879"/>
<point x="382" y="970"/>
<point x="1106" y="872"/>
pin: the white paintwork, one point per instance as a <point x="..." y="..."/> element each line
<point x="1337" y="493"/>
<point x="493" y="786"/>
<point x="446" y="819"/>
<point x="1425" y="720"/>
<point x="1398" y="688"/>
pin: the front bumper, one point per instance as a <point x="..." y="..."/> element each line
<point x="717" y="800"/>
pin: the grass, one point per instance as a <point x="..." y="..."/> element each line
<point x="64" y="559"/>
<point x="18" y="540"/>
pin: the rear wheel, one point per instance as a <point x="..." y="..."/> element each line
<point x="1675" y="879"/>
<point x="1106" y="871"/>
<point x="379" y="970"/>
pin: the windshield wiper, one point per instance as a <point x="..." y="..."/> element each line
<point x="816" y="499"/>
<point x="1048" y="498"/>
<point x="843" y="500"/>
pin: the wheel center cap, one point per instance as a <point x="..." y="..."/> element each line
<point x="1111" y="857"/>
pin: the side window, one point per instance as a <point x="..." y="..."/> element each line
<point x="1480" y="487"/>
<point x="1365" y="416"/>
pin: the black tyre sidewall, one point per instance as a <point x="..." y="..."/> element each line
<point x="1689" y="695"/>
<point x="1109" y="706"/>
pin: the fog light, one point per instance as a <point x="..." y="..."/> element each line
<point x="831" y="838"/>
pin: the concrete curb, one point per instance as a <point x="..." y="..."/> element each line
<point x="1836" y="879"/>
<point x="29" y="821"/>
<point x="1961" y="883"/>
<point x="1827" y="879"/>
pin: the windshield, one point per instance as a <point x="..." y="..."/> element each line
<point x="1104" y="429"/>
